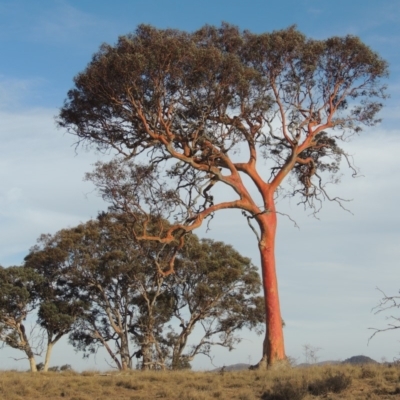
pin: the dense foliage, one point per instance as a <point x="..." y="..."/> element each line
<point x="97" y="284"/>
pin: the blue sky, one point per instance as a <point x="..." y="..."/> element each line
<point x="328" y="270"/>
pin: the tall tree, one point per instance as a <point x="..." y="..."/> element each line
<point x="17" y="300"/>
<point x="206" y="107"/>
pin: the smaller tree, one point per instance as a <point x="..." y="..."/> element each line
<point x="18" y="299"/>
<point x="113" y="292"/>
<point x="311" y="353"/>
<point x="91" y="278"/>
<point x="59" y="307"/>
<point x="215" y="288"/>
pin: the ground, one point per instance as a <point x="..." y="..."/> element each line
<point x="351" y="383"/>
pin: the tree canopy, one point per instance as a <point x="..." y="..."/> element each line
<point x="18" y="297"/>
<point x="118" y="299"/>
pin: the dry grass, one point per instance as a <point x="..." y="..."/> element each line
<point x="327" y="382"/>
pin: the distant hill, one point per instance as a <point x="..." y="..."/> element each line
<point x="233" y="367"/>
<point x="360" y="360"/>
<point x="318" y="363"/>
<point x="351" y="360"/>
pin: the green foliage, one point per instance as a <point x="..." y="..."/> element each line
<point x="17" y="288"/>
<point x="217" y="288"/>
<point x="18" y="297"/>
<point x="58" y="307"/>
<point x="56" y="316"/>
<point x="107" y="289"/>
<point x="181" y="363"/>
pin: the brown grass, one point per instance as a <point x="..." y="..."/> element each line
<point x="326" y="382"/>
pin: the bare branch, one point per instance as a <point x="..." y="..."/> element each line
<point x="386" y="303"/>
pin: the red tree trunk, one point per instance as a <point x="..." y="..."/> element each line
<point x="274" y="349"/>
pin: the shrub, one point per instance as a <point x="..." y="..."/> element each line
<point x="332" y="383"/>
<point x="367" y="373"/>
<point x="286" y="390"/>
<point x="40" y="366"/>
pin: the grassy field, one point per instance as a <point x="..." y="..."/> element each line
<point x="323" y="382"/>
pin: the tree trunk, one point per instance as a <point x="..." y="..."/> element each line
<point x="175" y="362"/>
<point x="97" y="335"/>
<point x="27" y="347"/>
<point x="124" y="353"/>
<point x="146" y="356"/>
<point x="32" y="364"/>
<point x="178" y="348"/>
<point x="273" y="347"/>
<point x="48" y="355"/>
<point x="31" y="356"/>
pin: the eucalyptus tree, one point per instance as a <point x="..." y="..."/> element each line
<point x="205" y="109"/>
<point x="58" y="306"/>
<point x="95" y="266"/>
<point x="33" y="291"/>
<point x="17" y="300"/>
<point x="216" y="291"/>
<point x="115" y="297"/>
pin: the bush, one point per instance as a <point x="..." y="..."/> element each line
<point x="40" y="366"/>
<point x="332" y="383"/>
<point x="286" y="390"/>
<point x="367" y="373"/>
<point x="295" y="390"/>
<point x="181" y="364"/>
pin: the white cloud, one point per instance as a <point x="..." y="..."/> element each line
<point x="41" y="181"/>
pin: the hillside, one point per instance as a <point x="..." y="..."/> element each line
<point x="358" y="360"/>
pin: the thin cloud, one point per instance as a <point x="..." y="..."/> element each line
<point x="384" y="39"/>
<point x="42" y="189"/>
<point x="64" y="23"/>
<point x="314" y="11"/>
<point x="14" y="91"/>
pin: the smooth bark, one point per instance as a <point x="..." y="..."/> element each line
<point x="32" y="363"/>
<point x="124" y="352"/>
<point x="27" y="347"/>
<point x="273" y="346"/>
<point x="47" y="357"/>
